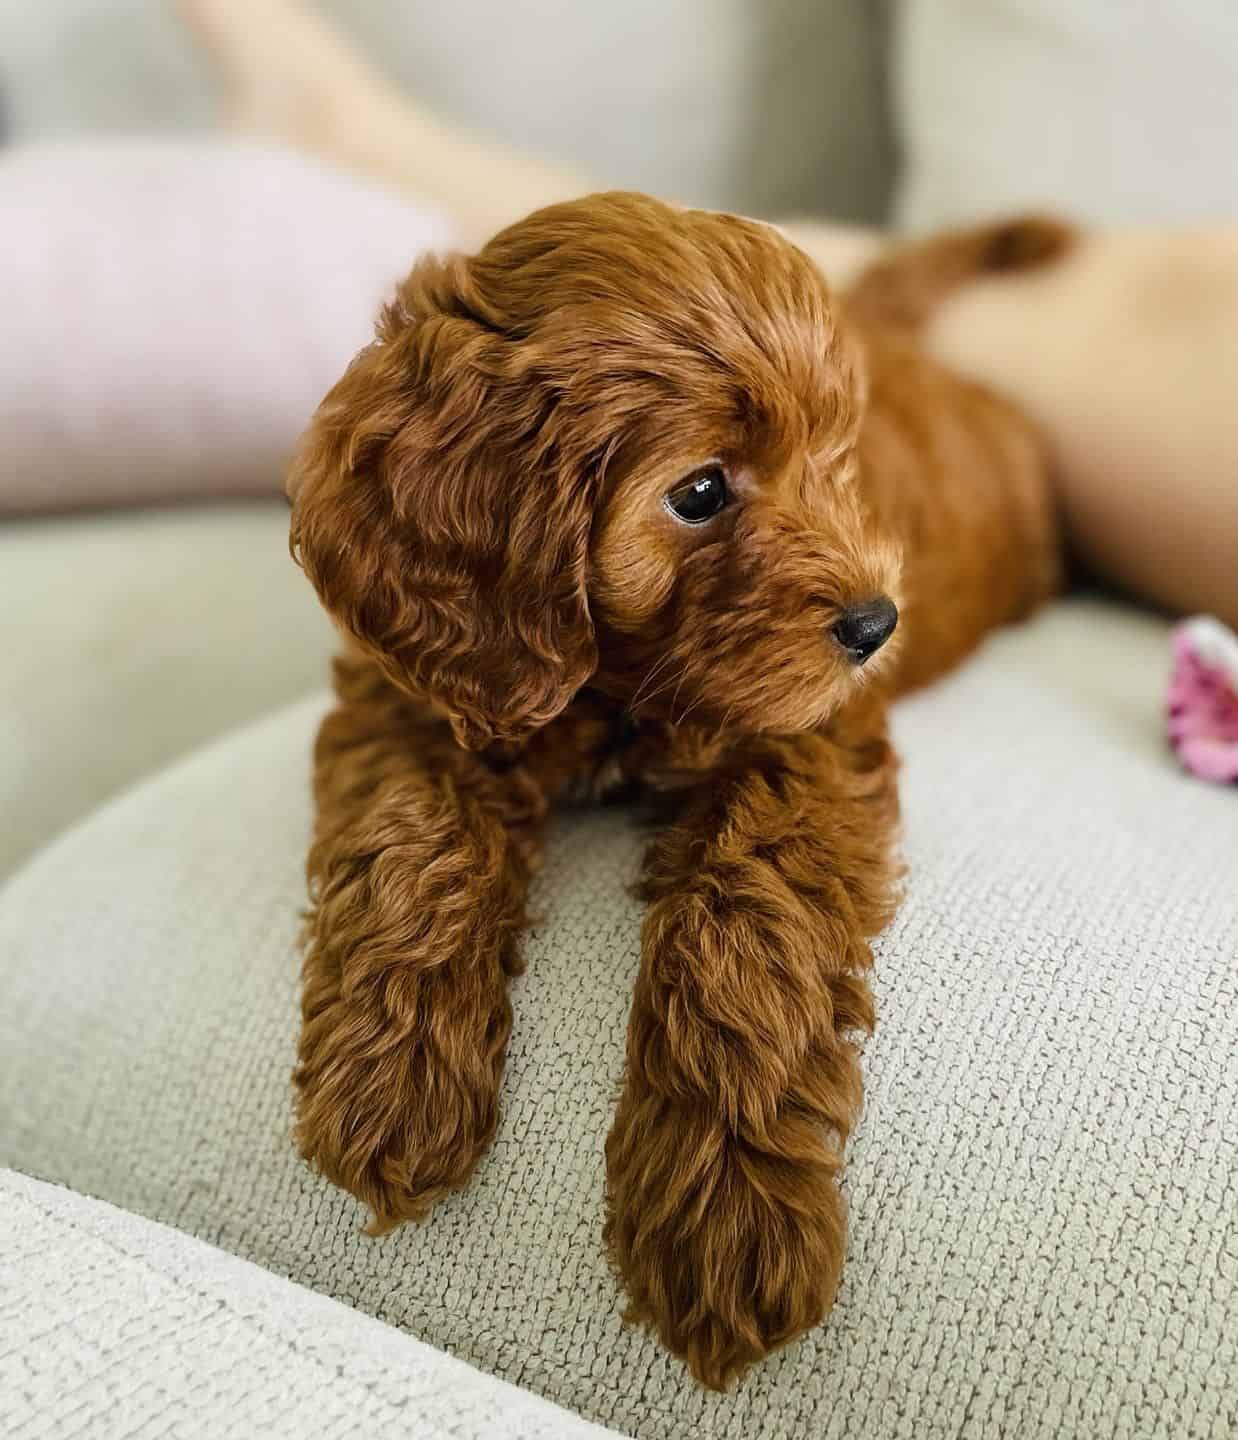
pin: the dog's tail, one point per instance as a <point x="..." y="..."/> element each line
<point x="905" y="286"/>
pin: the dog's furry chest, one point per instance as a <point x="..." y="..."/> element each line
<point x="612" y="768"/>
<point x="614" y="757"/>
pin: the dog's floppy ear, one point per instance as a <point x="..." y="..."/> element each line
<point x="441" y="522"/>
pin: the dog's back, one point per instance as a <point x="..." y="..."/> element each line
<point x="957" y="471"/>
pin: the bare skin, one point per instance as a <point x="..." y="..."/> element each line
<point x="1125" y="352"/>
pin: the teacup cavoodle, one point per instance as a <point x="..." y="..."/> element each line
<point x="628" y="499"/>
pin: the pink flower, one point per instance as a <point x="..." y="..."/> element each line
<point x="1202" y="719"/>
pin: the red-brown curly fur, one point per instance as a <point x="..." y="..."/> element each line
<point x="479" y="502"/>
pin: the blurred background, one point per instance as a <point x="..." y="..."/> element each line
<point x="659" y="95"/>
<point x="201" y="206"/>
<point x="867" y="110"/>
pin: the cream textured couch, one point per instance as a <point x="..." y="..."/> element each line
<point x="1044" y="1187"/>
<point x="131" y="637"/>
<point x="141" y="1330"/>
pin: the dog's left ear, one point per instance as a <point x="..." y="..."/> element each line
<point x="442" y="521"/>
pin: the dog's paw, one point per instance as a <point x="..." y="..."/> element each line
<point x="397" y="1122"/>
<point x="728" y="1248"/>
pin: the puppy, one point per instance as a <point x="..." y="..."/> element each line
<point x="628" y="500"/>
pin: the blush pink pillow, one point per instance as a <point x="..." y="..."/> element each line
<point x="171" y="313"/>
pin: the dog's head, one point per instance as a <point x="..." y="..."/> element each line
<point x="616" y="447"/>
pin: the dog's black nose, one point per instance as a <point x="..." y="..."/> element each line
<point x="864" y="629"/>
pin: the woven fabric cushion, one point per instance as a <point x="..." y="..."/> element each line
<point x="113" y="1326"/>
<point x="1044" y="1188"/>
<point x="173" y="312"/>
<point x="130" y="638"/>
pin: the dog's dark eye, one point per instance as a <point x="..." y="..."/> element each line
<point x="700" y="498"/>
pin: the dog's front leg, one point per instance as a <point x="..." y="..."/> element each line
<point x="418" y="872"/>
<point x="743" y="1080"/>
